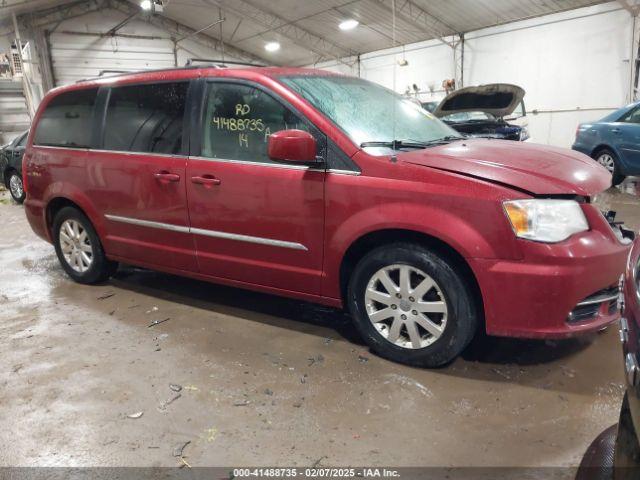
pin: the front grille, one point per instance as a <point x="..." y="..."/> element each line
<point x="603" y="301"/>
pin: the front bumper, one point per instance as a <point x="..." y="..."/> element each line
<point x="535" y="297"/>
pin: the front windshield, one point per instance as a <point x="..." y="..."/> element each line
<point x="368" y="112"/>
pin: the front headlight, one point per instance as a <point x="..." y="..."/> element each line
<point x="545" y="220"/>
<point x="524" y="134"/>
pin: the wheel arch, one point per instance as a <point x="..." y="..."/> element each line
<point x="375" y="239"/>
<point x="7" y="173"/>
<point x="54" y="206"/>
<point x="603" y="146"/>
<point x="60" y="194"/>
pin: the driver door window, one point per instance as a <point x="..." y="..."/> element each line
<point x="632" y="117"/>
<point x="254" y="220"/>
<point x="23" y="140"/>
<point x="238" y="120"/>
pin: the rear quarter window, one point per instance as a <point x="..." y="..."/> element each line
<point x="66" y="121"/>
<point x="146" y="118"/>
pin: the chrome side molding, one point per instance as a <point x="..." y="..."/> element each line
<point x="147" y="223"/>
<point x="631" y="369"/>
<point x="208" y="233"/>
<point x="249" y="239"/>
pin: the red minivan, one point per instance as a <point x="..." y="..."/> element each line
<point x="326" y="188"/>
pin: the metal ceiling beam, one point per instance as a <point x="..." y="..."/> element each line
<point x="411" y="13"/>
<point x="274" y="23"/>
<point x="117" y="27"/>
<point x="56" y="15"/>
<point x="201" y="30"/>
<point x="180" y="30"/>
<point x="634" y="10"/>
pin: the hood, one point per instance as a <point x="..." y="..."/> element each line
<point x="536" y="169"/>
<point x="498" y="99"/>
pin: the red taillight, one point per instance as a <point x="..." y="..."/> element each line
<point x="577" y="131"/>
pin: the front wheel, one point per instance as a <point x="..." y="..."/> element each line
<point x="608" y="160"/>
<point x="79" y="249"/>
<point x="412" y="306"/>
<point x="16" y="188"/>
<point x="626" y="459"/>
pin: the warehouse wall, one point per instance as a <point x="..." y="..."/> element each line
<point x="575" y="66"/>
<point x="75" y="56"/>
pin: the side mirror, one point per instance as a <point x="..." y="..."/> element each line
<point x="292" y="146"/>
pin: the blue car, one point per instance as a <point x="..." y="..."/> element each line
<point x="614" y="142"/>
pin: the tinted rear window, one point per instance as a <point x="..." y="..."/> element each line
<point x="146" y="118"/>
<point x="66" y="122"/>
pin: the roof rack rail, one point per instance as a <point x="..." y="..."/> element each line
<point x="219" y="63"/>
<point x="102" y="72"/>
<point x="188" y="65"/>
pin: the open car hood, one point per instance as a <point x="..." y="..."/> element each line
<point x="535" y="169"/>
<point x="498" y="99"/>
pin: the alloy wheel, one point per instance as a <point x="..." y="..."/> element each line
<point x="15" y="186"/>
<point x="76" y="245"/>
<point x="406" y="306"/>
<point x="606" y="160"/>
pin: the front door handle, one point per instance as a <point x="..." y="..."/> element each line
<point x="615" y="130"/>
<point x="167" y="177"/>
<point x="206" y="180"/>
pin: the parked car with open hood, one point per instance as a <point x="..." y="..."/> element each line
<point x="489" y="111"/>
<point x="613" y="141"/>
<point x="430" y="105"/>
<point x="327" y="188"/>
<point x="11" y="166"/>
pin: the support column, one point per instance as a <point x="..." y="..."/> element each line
<point x="458" y="60"/>
<point x="41" y="44"/>
<point x="634" y="60"/>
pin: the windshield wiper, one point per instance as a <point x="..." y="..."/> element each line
<point x="448" y="138"/>
<point x="395" y="144"/>
<point x="398" y="144"/>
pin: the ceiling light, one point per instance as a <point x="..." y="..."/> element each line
<point x="349" y="24"/>
<point x="272" y="47"/>
<point x="145" y="4"/>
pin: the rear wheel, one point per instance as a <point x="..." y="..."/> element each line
<point x="16" y="188"/>
<point x="608" y="160"/>
<point x="79" y="249"/>
<point x="411" y="306"/>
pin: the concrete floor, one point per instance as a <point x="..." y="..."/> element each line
<point x="268" y="381"/>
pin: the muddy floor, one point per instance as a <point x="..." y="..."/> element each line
<point x="128" y="372"/>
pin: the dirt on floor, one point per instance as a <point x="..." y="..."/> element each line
<point x="150" y="368"/>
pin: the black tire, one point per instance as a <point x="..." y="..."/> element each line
<point x="616" y="176"/>
<point x="15" y="189"/>
<point x="100" y="268"/>
<point x="462" y="314"/>
<point x="626" y="458"/>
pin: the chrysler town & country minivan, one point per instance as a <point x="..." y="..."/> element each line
<point x="330" y="189"/>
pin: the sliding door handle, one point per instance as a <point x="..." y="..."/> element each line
<point x="206" y="180"/>
<point x="167" y="177"/>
